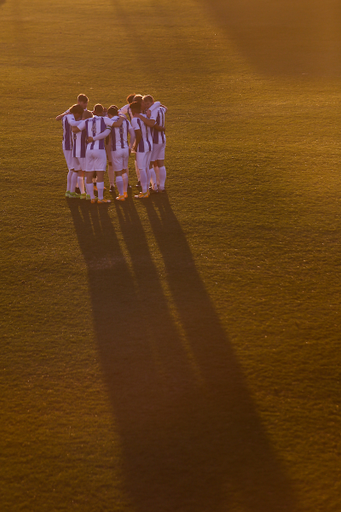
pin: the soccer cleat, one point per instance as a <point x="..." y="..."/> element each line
<point x="74" y="195"/>
<point x="100" y="201"/>
<point x="142" y="195"/>
<point x="67" y="193"/>
<point x="93" y="200"/>
<point x="88" y="197"/>
<point x="83" y="196"/>
<point x="120" y="198"/>
<point x="125" y="194"/>
<point x="112" y="189"/>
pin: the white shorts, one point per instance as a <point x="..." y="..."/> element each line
<point x="96" y="160"/>
<point x="69" y="158"/>
<point x="158" y="152"/>
<point x="79" y="164"/>
<point x="143" y="159"/>
<point x="120" y="159"/>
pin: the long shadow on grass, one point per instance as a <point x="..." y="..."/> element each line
<point x="191" y="438"/>
<point x="283" y="37"/>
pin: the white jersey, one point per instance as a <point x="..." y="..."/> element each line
<point x="119" y="136"/>
<point x="159" y="116"/>
<point x="78" y="139"/>
<point x="146" y="142"/>
<point x="67" y="132"/>
<point x="92" y="127"/>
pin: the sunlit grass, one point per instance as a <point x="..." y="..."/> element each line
<point x="184" y="354"/>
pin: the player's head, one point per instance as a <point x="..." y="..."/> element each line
<point x="98" y="109"/>
<point x="138" y="97"/>
<point x="130" y="98"/>
<point x="135" y="107"/>
<point x="82" y="100"/>
<point x="77" y="111"/>
<point x="112" y="111"/>
<point x="147" y="102"/>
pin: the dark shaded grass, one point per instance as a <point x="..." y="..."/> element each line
<point x="191" y="440"/>
<point x="285" y="37"/>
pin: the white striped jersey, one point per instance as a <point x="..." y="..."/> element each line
<point x="119" y="136"/>
<point x="146" y="142"/>
<point x="94" y="126"/>
<point x="67" y="132"/>
<point x="78" y="139"/>
<point x="159" y="116"/>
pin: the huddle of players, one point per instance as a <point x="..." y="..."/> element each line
<point x="90" y="139"/>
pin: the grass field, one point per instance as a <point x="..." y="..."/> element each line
<point x="180" y="355"/>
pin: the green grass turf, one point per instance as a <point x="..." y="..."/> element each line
<point x="181" y="354"/>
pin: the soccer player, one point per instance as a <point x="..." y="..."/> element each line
<point x="126" y="111"/>
<point x="82" y="100"/>
<point x="119" y="150"/>
<point x="143" y="146"/>
<point x="156" y="122"/>
<point x="74" y="116"/>
<point x="96" y="129"/>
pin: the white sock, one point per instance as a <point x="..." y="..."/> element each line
<point x="143" y="180"/>
<point x="81" y="184"/>
<point x="73" y="182"/>
<point x="153" y="178"/>
<point x="163" y="174"/>
<point x="90" y="190"/>
<point x="100" y="188"/>
<point x="119" y="185"/>
<point x="68" y="181"/>
<point x="125" y="182"/>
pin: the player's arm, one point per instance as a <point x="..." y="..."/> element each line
<point x="132" y="136"/>
<point x="100" y="136"/>
<point x="79" y="127"/>
<point x="124" y="110"/>
<point x="58" y="118"/>
<point x="147" y="122"/>
<point x="107" y="149"/>
<point x="159" y="128"/>
<point x="138" y="137"/>
<point x="72" y="122"/>
<point x="119" y="122"/>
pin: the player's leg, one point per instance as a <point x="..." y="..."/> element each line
<point x="148" y="167"/>
<point x="69" y="163"/>
<point x="153" y="179"/>
<point x="119" y="183"/>
<point x="111" y="175"/>
<point x="90" y="185"/>
<point x="141" y="165"/>
<point x="81" y="177"/>
<point x="161" y="166"/>
<point x="100" y="167"/>
<point x="89" y="164"/>
<point x="125" y="171"/>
